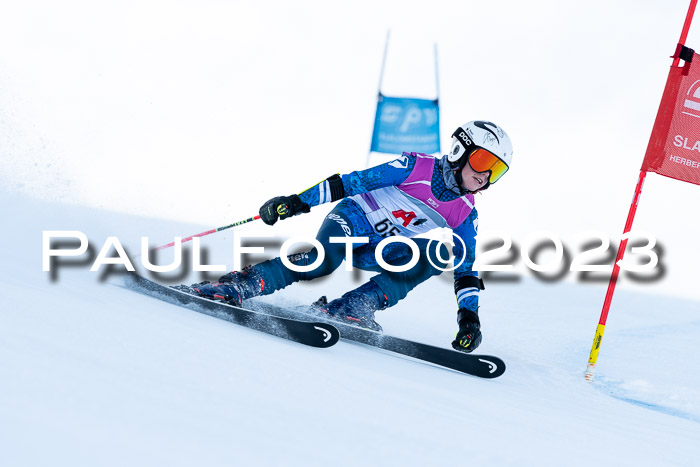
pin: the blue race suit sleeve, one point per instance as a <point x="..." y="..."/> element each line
<point x="363" y="181"/>
<point x="467" y="296"/>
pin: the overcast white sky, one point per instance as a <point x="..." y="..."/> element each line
<point x="201" y="111"/>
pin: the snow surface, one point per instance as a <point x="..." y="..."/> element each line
<point x="93" y="374"/>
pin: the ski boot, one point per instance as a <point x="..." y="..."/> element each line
<point x="230" y="297"/>
<point x="356" y="307"/>
<point x="188" y="289"/>
<point x="232" y="288"/>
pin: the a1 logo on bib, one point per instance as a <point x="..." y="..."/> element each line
<point x="406" y="217"/>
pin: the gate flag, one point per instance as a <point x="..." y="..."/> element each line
<point x="674" y="146"/>
<point x="406" y="124"/>
<point x="673" y="151"/>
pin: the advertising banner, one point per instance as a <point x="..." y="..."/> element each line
<point x="406" y="124"/>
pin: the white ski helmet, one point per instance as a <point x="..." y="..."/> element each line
<point x="484" y="145"/>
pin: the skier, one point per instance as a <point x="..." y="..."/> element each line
<point x="408" y="196"/>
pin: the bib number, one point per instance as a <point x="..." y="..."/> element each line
<point x="385" y="228"/>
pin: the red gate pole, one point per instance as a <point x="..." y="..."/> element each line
<point x="686" y="28"/>
<point x="593" y="358"/>
<point x="600" y="329"/>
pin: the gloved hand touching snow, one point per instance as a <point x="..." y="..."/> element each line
<point x="468" y="337"/>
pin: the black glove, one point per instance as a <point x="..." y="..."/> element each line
<point x="468" y="337"/>
<point x="282" y="207"/>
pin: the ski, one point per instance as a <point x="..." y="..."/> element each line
<point x="315" y="334"/>
<point x="482" y="366"/>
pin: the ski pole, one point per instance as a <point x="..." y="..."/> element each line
<point x="202" y="234"/>
<point x="219" y="229"/>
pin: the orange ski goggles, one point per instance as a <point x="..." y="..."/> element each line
<point x="481" y="160"/>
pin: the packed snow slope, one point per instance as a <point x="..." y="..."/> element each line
<point x="94" y="374"/>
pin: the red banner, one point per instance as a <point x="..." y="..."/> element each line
<point x="674" y="146"/>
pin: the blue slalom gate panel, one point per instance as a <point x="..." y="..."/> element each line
<point x="406" y="124"/>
